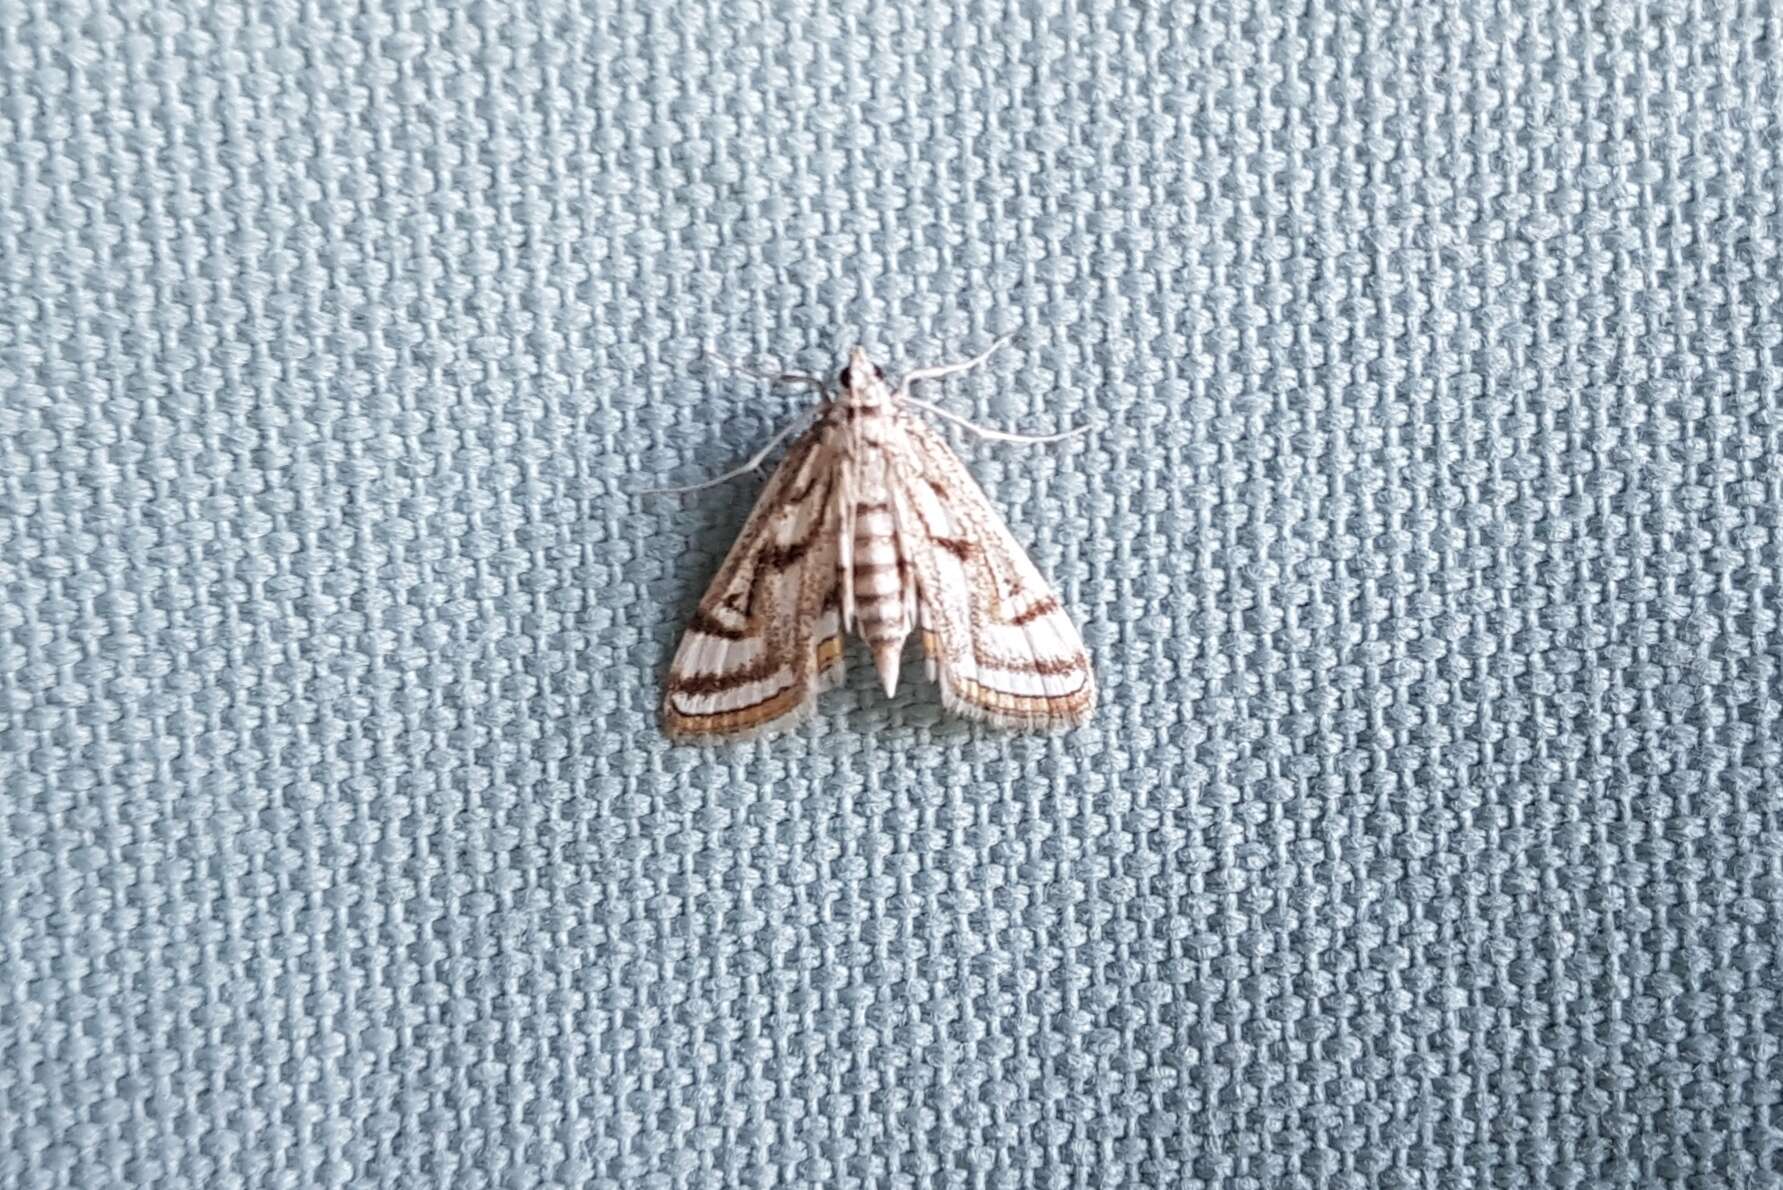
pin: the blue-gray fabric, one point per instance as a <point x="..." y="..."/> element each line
<point x="1426" y="539"/>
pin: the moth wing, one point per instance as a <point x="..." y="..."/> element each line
<point x="766" y="637"/>
<point x="997" y="638"/>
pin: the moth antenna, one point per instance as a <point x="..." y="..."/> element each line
<point x="936" y="371"/>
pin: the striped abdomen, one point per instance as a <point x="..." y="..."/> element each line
<point x="883" y="607"/>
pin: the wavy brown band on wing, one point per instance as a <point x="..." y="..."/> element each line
<point x="1063" y="708"/>
<point x="1043" y="607"/>
<point x="683" y="723"/>
<point x="704" y="622"/>
<point x="699" y="685"/>
<point x="1066" y="708"/>
<point x="740" y="719"/>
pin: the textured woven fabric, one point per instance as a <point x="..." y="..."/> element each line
<point x="1426" y="542"/>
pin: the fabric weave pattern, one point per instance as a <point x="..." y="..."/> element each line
<point x="1426" y="544"/>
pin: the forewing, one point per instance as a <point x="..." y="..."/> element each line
<point x="997" y="638"/>
<point x="766" y="638"/>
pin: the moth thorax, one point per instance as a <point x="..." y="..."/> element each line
<point x="881" y="603"/>
<point x="870" y="394"/>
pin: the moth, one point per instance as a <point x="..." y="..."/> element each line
<point x="871" y="524"/>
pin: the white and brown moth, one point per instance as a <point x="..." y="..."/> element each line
<point x="872" y="524"/>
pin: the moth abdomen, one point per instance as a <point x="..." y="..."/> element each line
<point x="879" y="579"/>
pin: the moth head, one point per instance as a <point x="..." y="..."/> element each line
<point x="861" y="378"/>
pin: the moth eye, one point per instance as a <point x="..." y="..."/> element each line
<point x="845" y="378"/>
<point x="879" y="371"/>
